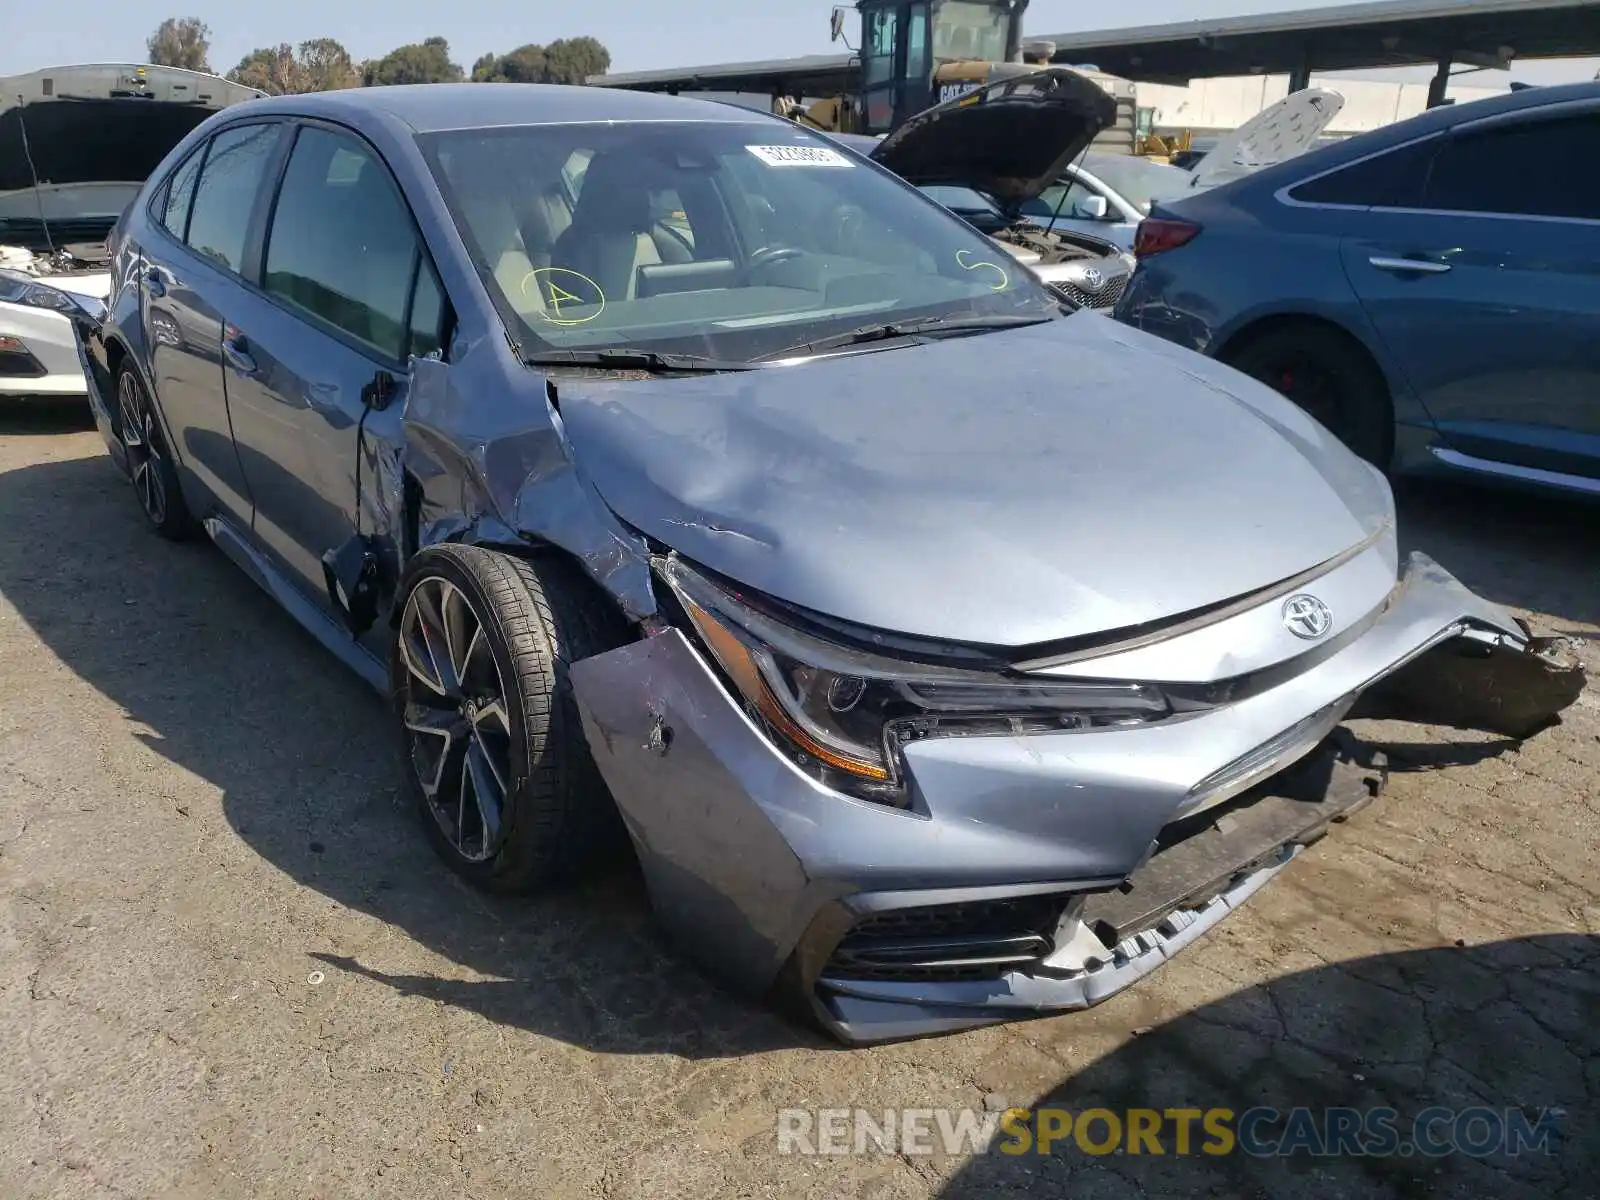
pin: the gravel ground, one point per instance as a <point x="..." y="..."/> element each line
<point x="230" y="967"/>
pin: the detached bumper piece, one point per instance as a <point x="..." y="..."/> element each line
<point x="906" y="972"/>
<point x="1488" y="685"/>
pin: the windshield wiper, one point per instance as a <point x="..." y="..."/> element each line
<point x="623" y="358"/>
<point x="927" y="327"/>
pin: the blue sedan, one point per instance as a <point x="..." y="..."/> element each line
<point x="1428" y="291"/>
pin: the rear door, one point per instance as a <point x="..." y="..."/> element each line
<point x="340" y="283"/>
<point x="1484" y="281"/>
<point x="188" y="272"/>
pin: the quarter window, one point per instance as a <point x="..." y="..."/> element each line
<point x="179" y="192"/>
<point x="1542" y="168"/>
<point x="428" y="313"/>
<point x="342" y="247"/>
<point x="235" y="165"/>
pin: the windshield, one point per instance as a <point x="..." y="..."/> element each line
<point x="729" y="240"/>
<point x="969" y="29"/>
<point x="961" y="199"/>
<point x="1138" y="180"/>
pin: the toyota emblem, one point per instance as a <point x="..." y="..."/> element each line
<point x="1306" y="617"/>
<point x="1093" y="278"/>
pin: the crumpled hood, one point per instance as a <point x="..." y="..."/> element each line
<point x="1008" y="489"/>
<point x="1010" y="140"/>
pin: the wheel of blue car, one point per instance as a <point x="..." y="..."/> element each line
<point x="150" y="465"/>
<point x="1331" y="377"/>
<point x="494" y="749"/>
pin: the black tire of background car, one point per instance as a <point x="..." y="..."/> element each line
<point x="538" y="615"/>
<point x="174" y="521"/>
<point x="1329" y="375"/>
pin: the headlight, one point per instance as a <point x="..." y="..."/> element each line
<point x="19" y="289"/>
<point x="843" y="713"/>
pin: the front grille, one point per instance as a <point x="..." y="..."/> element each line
<point x="1106" y="297"/>
<point x="19" y="364"/>
<point x="977" y="939"/>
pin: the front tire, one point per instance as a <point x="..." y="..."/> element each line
<point x="494" y="750"/>
<point x="150" y="464"/>
<point x="1329" y="376"/>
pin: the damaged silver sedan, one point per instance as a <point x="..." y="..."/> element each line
<point x="947" y="655"/>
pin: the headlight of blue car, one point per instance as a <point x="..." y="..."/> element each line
<point x="843" y="713"/>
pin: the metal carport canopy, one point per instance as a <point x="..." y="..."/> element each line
<point x="1388" y="33"/>
<point x="811" y="75"/>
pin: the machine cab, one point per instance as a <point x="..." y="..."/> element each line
<point x="908" y="47"/>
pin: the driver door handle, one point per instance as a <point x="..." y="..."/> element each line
<point x="237" y="350"/>
<point x="1409" y="266"/>
<point x="153" y="282"/>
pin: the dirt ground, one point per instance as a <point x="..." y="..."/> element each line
<point x="230" y="966"/>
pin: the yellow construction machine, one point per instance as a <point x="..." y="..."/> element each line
<point x="917" y="53"/>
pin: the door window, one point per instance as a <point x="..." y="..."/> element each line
<point x="342" y="247"/>
<point x="230" y="180"/>
<point x="1391" y="180"/>
<point x="918" y="63"/>
<point x="1543" y="168"/>
<point x="877" y="56"/>
<point x="173" y="211"/>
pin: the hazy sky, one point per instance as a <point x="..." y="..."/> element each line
<point x="640" y="33"/>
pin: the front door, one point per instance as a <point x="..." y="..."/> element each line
<point x="327" y="331"/>
<point x="1486" y="291"/>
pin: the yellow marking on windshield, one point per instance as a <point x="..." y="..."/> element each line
<point x="557" y="298"/>
<point x="1005" y="279"/>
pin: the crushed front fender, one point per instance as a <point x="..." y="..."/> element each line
<point x="1029" y="872"/>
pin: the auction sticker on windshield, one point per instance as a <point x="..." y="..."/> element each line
<point x="799" y="156"/>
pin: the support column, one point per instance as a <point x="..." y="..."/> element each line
<point x="1300" y="77"/>
<point x="1440" y="83"/>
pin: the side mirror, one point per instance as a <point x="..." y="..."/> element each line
<point x="836" y="25"/>
<point x="1093" y="208"/>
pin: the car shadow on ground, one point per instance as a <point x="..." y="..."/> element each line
<point x="307" y="763"/>
<point x="1515" y="547"/>
<point x="1501" y="1026"/>
<point x="44" y="415"/>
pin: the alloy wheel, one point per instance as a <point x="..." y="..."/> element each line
<point x="1313" y="388"/>
<point x="140" y="441"/>
<point x="456" y="717"/>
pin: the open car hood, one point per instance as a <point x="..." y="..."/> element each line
<point x="1276" y="134"/>
<point x="1010" y="140"/>
<point x="101" y="124"/>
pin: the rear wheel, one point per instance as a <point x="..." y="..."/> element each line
<point x="150" y="465"/>
<point x="494" y="748"/>
<point x="1331" y="378"/>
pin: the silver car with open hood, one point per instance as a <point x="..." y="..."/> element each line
<point x="947" y="654"/>
<point x="994" y="153"/>
<point x="76" y="144"/>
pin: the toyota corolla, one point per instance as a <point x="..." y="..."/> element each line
<point x="946" y="654"/>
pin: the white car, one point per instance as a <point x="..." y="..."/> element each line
<point x="1108" y="195"/>
<point x="76" y="143"/>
